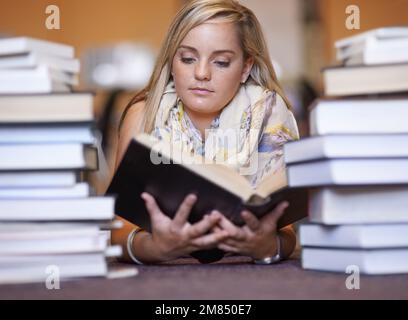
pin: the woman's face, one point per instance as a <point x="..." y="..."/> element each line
<point x="209" y="66"/>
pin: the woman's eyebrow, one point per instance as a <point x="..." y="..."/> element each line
<point x="215" y="52"/>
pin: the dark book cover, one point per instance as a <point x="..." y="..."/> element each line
<point x="171" y="183"/>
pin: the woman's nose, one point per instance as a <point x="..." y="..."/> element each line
<point x="202" y="71"/>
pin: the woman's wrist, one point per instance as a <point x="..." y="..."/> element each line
<point x="283" y="246"/>
<point x="288" y="241"/>
<point x="130" y="245"/>
<point x="269" y="249"/>
<point x="145" y="250"/>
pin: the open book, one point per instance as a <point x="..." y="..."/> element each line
<point x="156" y="167"/>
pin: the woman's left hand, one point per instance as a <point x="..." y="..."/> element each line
<point x="257" y="238"/>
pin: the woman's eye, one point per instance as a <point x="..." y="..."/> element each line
<point x="187" y="60"/>
<point x="222" y="64"/>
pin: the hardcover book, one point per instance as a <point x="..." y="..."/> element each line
<point x="216" y="186"/>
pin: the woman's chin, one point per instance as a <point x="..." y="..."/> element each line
<point x="204" y="110"/>
<point x="202" y="106"/>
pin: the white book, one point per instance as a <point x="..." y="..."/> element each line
<point x="33" y="85"/>
<point x="365" y="79"/>
<point x="348" y="172"/>
<point x="373" y="261"/>
<point x="62" y="245"/>
<point x="122" y="271"/>
<point x="9" y="46"/>
<point x="63" y="77"/>
<point x="359" y="205"/>
<point x="380" y="33"/>
<point x="346" y="146"/>
<point x="50" y="229"/>
<point x="360" y="236"/>
<point x="46" y="230"/>
<point x="44" y="108"/>
<point x="26" y="269"/>
<point x="41" y="71"/>
<point x="33" y="59"/>
<point x="379" y="52"/>
<point x="48" y="156"/>
<point x="46" y="134"/>
<point x="35" y="80"/>
<point x="111" y="225"/>
<point x="79" y="190"/>
<point x="37" y="179"/>
<point x="113" y="251"/>
<point x="58" y="259"/>
<point x="359" y="116"/>
<point x="87" y="209"/>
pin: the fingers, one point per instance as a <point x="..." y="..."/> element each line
<point x="216" y="229"/>
<point x="252" y="222"/>
<point x="233" y="242"/>
<point x="184" y="210"/>
<point x="233" y="231"/>
<point x="151" y="206"/>
<point x="209" y="240"/>
<point x="227" y="248"/>
<point x="273" y="217"/>
<point x="203" y="226"/>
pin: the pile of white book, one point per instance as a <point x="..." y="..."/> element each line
<point x="50" y="220"/>
<point x="356" y="160"/>
<point x="36" y="66"/>
<point x="372" y="62"/>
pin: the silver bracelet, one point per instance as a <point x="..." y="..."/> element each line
<point x="130" y="238"/>
<point x="274" y="259"/>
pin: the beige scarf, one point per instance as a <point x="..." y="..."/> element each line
<point x="234" y="136"/>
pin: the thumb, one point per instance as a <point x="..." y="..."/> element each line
<point x="273" y="217"/>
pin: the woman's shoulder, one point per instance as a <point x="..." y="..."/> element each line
<point x="280" y="103"/>
<point x="131" y="124"/>
<point x="132" y="118"/>
<point x="282" y="118"/>
<point x="135" y="110"/>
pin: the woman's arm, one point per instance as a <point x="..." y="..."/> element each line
<point x="288" y="238"/>
<point x="146" y="251"/>
<point x="131" y="125"/>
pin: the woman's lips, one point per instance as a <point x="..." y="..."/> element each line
<point x="201" y="91"/>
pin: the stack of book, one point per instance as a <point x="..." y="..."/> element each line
<point x="357" y="159"/>
<point x="50" y="220"/>
<point x="373" y="62"/>
<point x="36" y="66"/>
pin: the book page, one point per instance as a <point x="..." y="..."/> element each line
<point x="272" y="183"/>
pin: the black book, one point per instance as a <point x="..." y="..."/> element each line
<point x="169" y="175"/>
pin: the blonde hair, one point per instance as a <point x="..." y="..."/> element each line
<point x="193" y="14"/>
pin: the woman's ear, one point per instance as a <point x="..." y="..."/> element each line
<point x="248" y="64"/>
<point x="171" y="71"/>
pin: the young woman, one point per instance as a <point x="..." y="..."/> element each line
<point x="213" y="74"/>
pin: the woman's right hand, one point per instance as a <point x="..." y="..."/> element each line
<point x="176" y="237"/>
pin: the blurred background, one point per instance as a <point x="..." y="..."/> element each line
<point x="117" y="42"/>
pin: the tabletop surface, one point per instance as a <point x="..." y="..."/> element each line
<point x="232" y="277"/>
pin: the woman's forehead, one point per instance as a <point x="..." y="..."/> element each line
<point x="213" y="35"/>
